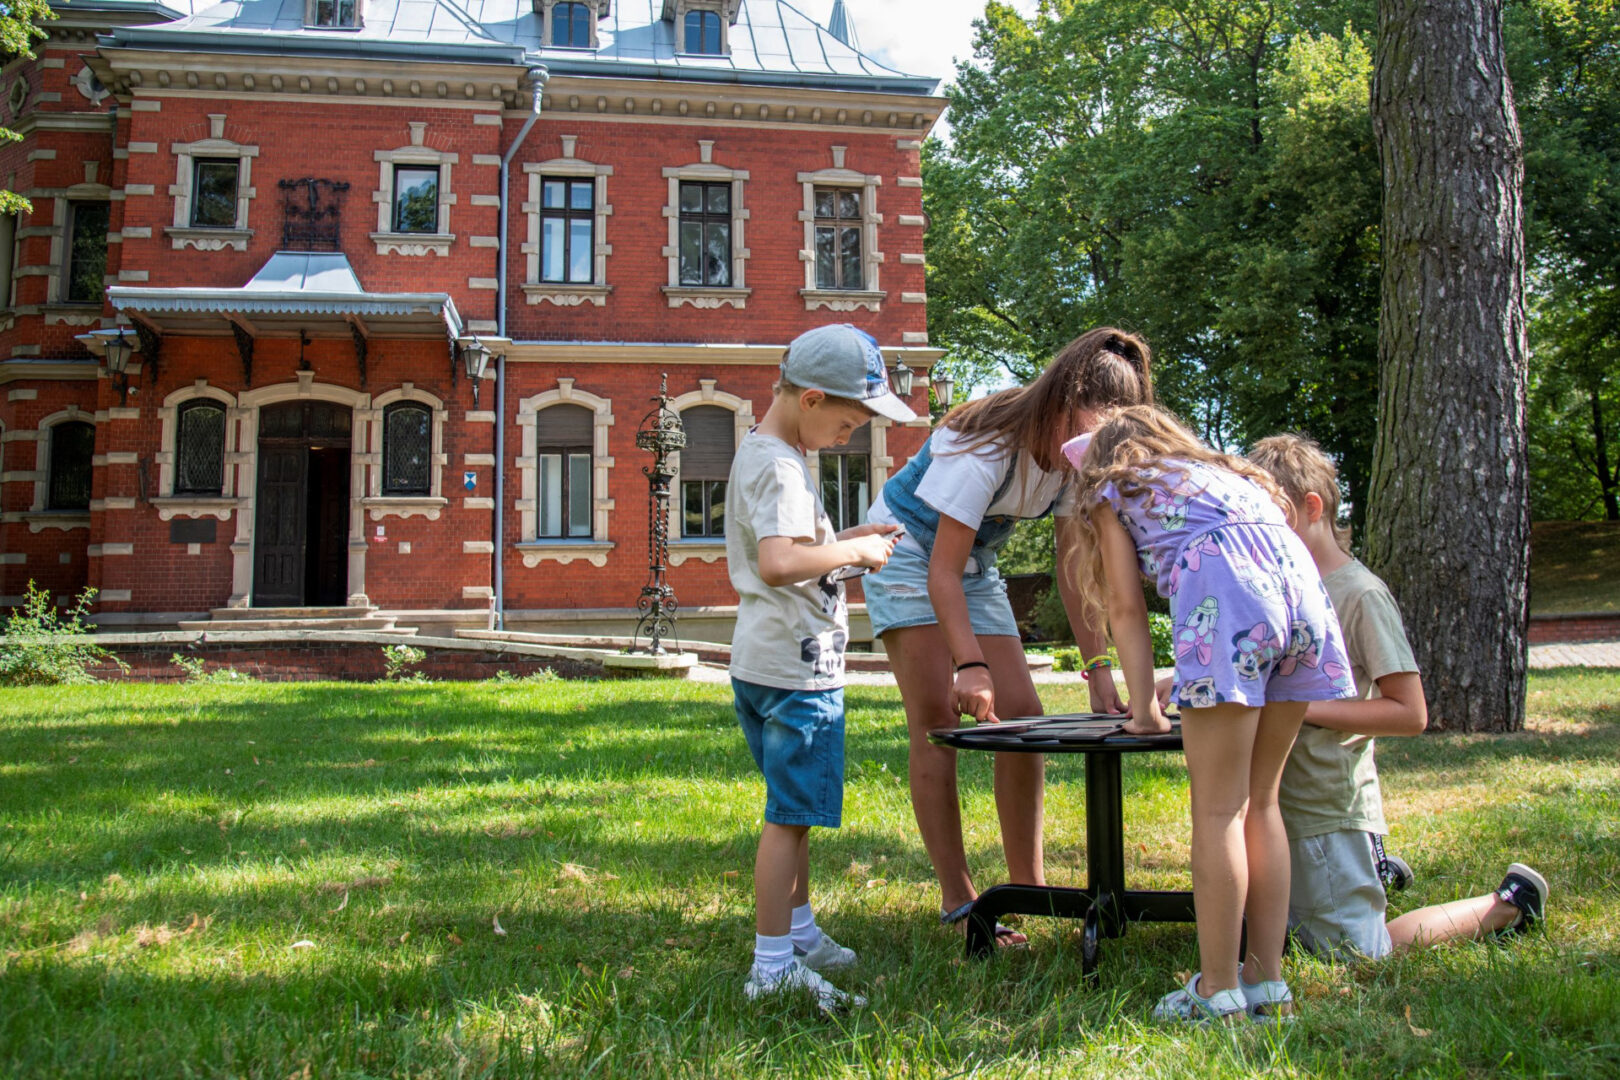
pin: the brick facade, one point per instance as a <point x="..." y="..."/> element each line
<point x="156" y="558"/>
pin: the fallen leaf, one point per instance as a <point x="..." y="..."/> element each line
<point x="729" y="874"/>
<point x="305" y="944"/>
<point x="626" y="972"/>
<point x="1422" y="1033"/>
<point x="404" y="936"/>
<point x="1143" y="846"/>
<point x="73" y="760"/>
<point x="875" y="882"/>
<point x="500" y="931"/>
<point x="255" y="759"/>
<point x="343" y="905"/>
<point x="455" y="939"/>
<point x="670" y="942"/>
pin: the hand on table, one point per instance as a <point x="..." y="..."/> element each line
<point x="1151" y="722"/>
<point x="1104" y="694"/>
<point x="974" y="694"/>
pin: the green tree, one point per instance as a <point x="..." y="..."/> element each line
<point x="1201" y="173"/>
<point x="19" y="30"/>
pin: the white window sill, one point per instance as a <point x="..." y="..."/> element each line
<point x="842" y="299"/>
<point x="535" y="552"/>
<point x="413" y="243"/>
<point x="706" y="298"/>
<point x="204" y="239"/>
<point x="194" y="506"/>
<point x="40" y="520"/>
<point x="710" y="549"/>
<point x="566" y="294"/>
<point x="404" y="506"/>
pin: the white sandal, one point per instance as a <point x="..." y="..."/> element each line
<point x="1269" y="1002"/>
<point x="1188" y="1006"/>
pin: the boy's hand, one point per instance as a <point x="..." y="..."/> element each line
<point x="871" y="550"/>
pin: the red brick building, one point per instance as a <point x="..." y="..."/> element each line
<point x="294" y="215"/>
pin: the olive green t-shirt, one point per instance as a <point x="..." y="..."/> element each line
<point x="1330" y="783"/>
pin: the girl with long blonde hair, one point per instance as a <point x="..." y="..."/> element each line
<point x="1255" y="640"/>
<point x="941" y="608"/>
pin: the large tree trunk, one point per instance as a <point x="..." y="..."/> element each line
<point x="1448" y="525"/>
<point x="1607" y="482"/>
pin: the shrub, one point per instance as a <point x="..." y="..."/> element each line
<point x="544" y="675"/>
<point x="45" y="647"/>
<point x="196" y="671"/>
<point x="1163" y="633"/>
<point x="396" y="658"/>
<point x="1067" y="660"/>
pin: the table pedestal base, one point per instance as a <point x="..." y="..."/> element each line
<point x="1106" y="913"/>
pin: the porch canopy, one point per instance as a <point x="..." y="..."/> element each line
<point x="296" y="294"/>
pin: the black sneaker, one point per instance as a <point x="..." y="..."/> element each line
<point x="1396" y="873"/>
<point x="1526" y="890"/>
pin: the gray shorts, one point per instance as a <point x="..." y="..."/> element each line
<point x="1336" y="904"/>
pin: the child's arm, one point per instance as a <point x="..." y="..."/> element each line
<point x="1104" y="695"/>
<point x="973" y="690"/>
<point x="784" y="560"/>
<point x="1400" y="710"/>
<point x="1128" y="618"/>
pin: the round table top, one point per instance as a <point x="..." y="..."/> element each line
<point x="1073" y="733"/>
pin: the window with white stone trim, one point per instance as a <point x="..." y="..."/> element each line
<point x="699" y="180"/>
<point x="709" y="548"/>
<point x="702" y="27"/>
<point x="406" y="480"/>
<point x="179" y="494"/>
<point x="540" y="495"/>
<point x="553" y="186"/>
<point x="829" y="214"/>
<point x="333" y="14"/>
<point x="570" y="24"/>
<point x="200" y="198"/>
<point x="411" y="237"/>
<point x="64" y="462"/>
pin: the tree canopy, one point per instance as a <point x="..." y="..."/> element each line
<point x="19" y="30"/>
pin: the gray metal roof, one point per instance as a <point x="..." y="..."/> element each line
<point x="294" y="284"/>
<point x="772" y="42"/>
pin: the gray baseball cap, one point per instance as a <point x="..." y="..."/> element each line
<point x="845" y="362"/>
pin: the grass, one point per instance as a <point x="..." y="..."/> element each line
<point x="1574" y="567"/>
<point x="165" y="853"/>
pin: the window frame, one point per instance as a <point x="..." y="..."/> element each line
<point x="703" y="15"/>
<point x="52" y="474"/>
<point x="397" y="226"/>
<point x="842" y="457"/>
<point x="197" y="164"/>
<point x="839" y="224"/>
<point x="567" y="214"/>
<point x="704" y="219"/>
<point x="566" y="453"/>
<point x="575" y="9"/>
<point x="70" y="249"/>
<point x="312" y="10"/>
<point x="425" y="489"/>
<point x="181" y="488"/>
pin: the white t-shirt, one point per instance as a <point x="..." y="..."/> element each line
<point x="790" y="637"/>
<point x="962" y="484"/>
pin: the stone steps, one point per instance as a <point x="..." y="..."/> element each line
<point x="377" y="624"/>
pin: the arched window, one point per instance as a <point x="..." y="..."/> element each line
<point x="73" y="444"/>
<point x="407" y="449"/>
<point x="199" y="448"/>
<point x="571" y="25"/>
<point x="564" y="434"/>
<point x="846" y="479"/>
<point x="703" y="32"/>
<point x="705" y="465"/>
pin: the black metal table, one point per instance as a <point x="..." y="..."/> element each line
<point x="1105" y="904"/>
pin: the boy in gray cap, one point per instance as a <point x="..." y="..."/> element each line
<point x="787" y="655"/>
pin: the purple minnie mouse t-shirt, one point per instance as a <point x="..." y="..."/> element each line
<point x="1253" y="622"/>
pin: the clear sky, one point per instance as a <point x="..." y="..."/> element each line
<point x="920" y="37"/>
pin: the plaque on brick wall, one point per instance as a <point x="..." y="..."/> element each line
<point x="193" y="531"/>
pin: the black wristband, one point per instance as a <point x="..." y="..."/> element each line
<point x="971" y="663"/>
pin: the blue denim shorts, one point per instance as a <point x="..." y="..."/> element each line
<point x="797" y="739"/>
<point x="897" y="597"/>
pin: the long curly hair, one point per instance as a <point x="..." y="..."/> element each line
<point x="1099" y="369"/>
<point x="1134" y="449"/>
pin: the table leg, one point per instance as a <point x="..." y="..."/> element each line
<point x="1019" y="900"/>
<point x="1105" y="838"/>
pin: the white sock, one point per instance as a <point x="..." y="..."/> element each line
<point x="805" y="933"/>
<point x="772" y="956"/>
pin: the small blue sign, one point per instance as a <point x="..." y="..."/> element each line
<point x="470" y="479"/>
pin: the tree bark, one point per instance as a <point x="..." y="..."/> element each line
<point x="1448" y="524"/>
<point x="1607" y="481"/>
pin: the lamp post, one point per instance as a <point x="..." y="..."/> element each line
<point x="475" y="358"/>
<point x="661" y="434"/>
<point x="117" y="352"/>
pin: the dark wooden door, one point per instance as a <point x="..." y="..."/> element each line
<point x="301" y="532"/>
<point x="279" y="532"/>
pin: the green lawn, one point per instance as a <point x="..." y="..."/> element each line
<point x="164" y="851"/>
<point x="1574" y="567"/>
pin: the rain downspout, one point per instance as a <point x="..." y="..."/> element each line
<point x="538" y="76"/>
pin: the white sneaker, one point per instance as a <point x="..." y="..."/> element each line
<point x="796" y="977"/>
<point x="1188" y="1006"/>
<point x="828" y="955"/>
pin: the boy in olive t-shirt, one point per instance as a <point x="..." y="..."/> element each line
<point x="1331" y="803"/>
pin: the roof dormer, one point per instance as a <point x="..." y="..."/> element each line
<point x="570" y="24"/>
<point x="703" y="27"/>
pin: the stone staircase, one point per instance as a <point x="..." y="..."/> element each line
<point x="296" y="619"/>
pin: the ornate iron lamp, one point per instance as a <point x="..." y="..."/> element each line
<point x="117" y="352"/>
<point x="944" y="386"/>
<point x="475" y="357"/>
<point x="902" y="378"/>
<point x="660" y="434"/>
